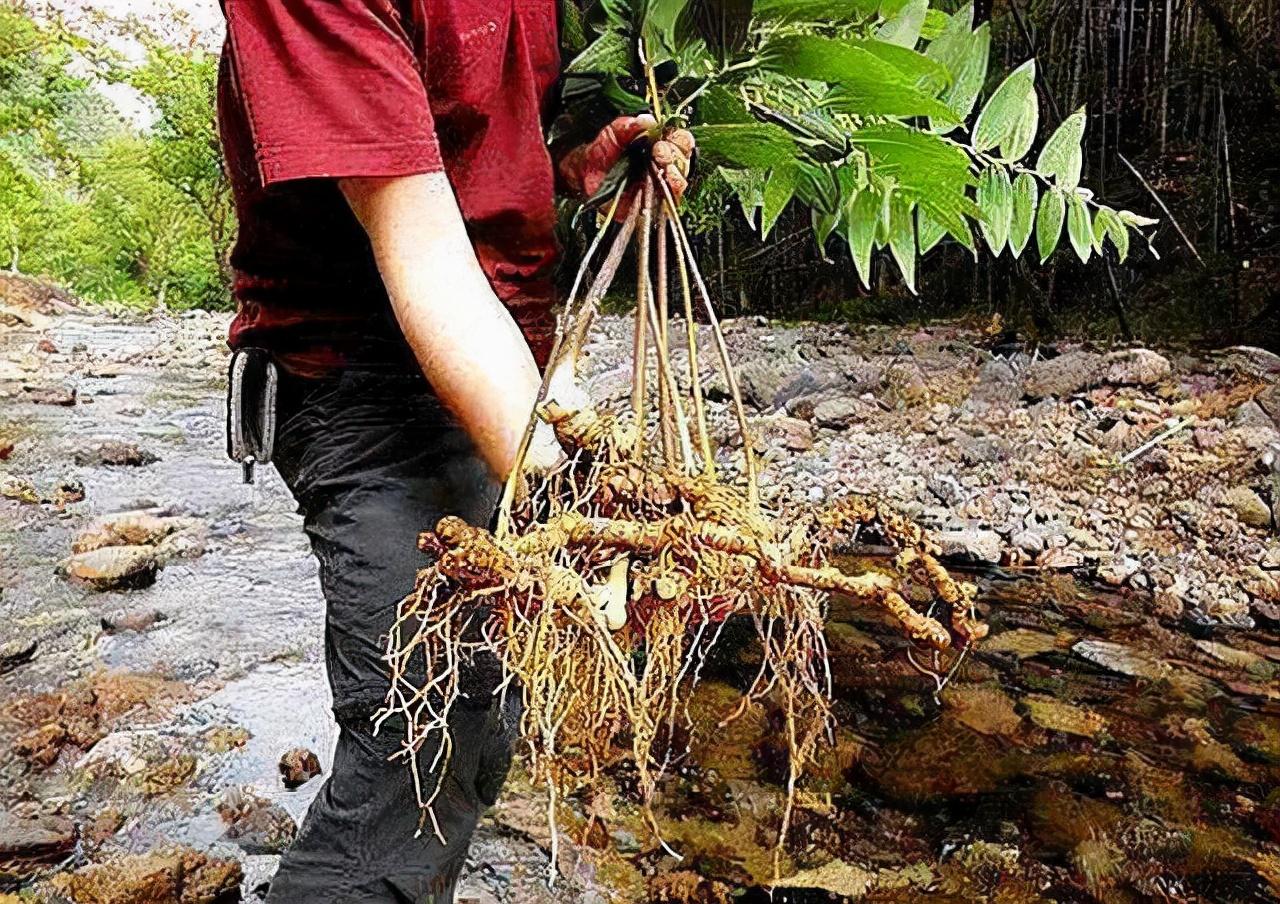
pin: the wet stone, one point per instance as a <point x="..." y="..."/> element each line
<point x="115" y="453"/>
<point x="255" y="824"/>
<point x="172" y="877"/>
<point x="113" y="568"/>
<point x="63" y="396"/>
<point x="298" y="766"/>
<point x="27" y="844"/>
<point x="132" y="620"/>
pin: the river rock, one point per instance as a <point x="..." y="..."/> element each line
<point x="1248" y="507"/>
<point x="255" y="824"/>
<point x="64" y="396"/>
<point x="1064" y="375"/>
<point x="1136" y="367"/>
<point x="132" y="620"/>
<point x="113" y="567"/>
<point x="298" y="766"/>
<point x="26" y="844"/>
<point x="1117" y="657"/>
<point x="997" y="383"/>
<point x="791" y="433"/>
<point x="836" y="414"/>
<point x="973" y="543"/>
<point x="115" y="453"/>
<point x="136" y="528"/>
<point x="181" y="876"/>
<point x="14" y="653"/>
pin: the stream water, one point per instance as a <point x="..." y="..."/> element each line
<point x="1088" y="751"/>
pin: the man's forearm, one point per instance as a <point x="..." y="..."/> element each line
<point x="466" y="342"/>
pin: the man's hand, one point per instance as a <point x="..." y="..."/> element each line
<point x="584" y="169"/>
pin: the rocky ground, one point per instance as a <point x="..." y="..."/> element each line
<point x="163" y="718"/>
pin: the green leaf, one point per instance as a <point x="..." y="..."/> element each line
<point x="919" y="162"/>
<point x="904" y="25"/>
<point x="927" y="74"/>
<point x="968" y="74"/>
<point x="748" y="186"/>
<point x="1026" y="194"/>
<point x="1107" y="224"/>
<point x="1079" y="228"/>
<point x="823" y="225"/>
<point x="1005" y="108"/>
<point x="902" y="238"/>
<point x="1061" y="158"/>
<point x="778" y="192"/>
<point x="610" y="53"/>
<point x="1132" y="219"/>
<point x="1015" y="147"/>
<point x="720" y="106"/>
<point x="995" y="200"/>
<point x="862" y="83"/>
<point x="930" y="231"/>
<point x="860" y="231"/>
<point x="934" y="23"/>
<point x="821" y="11"/>
<point x="1053" y="209"/>
<point x="745" y="146"/>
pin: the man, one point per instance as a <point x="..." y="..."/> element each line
<point x="395" y="255"/>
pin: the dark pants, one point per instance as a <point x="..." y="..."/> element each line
<point x="373" y="459"/>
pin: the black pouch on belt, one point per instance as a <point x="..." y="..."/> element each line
<point x="251" y="408"/>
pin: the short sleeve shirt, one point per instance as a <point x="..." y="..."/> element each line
<point x="311" y="91"/>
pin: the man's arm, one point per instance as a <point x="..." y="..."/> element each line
<point x="467" y="344"/>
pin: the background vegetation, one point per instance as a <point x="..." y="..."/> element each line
<point x="1182" y="102"/>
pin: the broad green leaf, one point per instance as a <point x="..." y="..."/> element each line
<point x="860" y="231"/>
<point x="1133" y="219"/>
<point x="949" y="45"/>
<point x="1026" y="194"/>
<point x="622" y="99"/>
<point x="927" y="74"/>
<point x="1053" y="209"/>
<point x="823" y="225"/>
<point x="934" y="23"/>
<point x="1107" y="224"/>
<point x="930" y="231"/>
<point x="862" y="83"/>
<point x="968" y="73"/>
<point x="902" y="238"/>
<point x="748" y="186"/>
<point x="822" y="11"/>
<point x="882" y="221"/>
<point x="1005" y="108"/>
<point x="1079" y="228"/>
<point x="1015" y="147"/>
<point x="995" y="200"/>
<point x="903" y="27"/>
<point x="1061" y="158"/>
<point x="720" y="106"/>
<point x="610" y="53"/>
<point x="921" y="163"/>
<point x="816" y="187"/>
<point x="745" y="146"/>
<point x="778" y="192"/>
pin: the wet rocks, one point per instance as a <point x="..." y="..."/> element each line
<point x="63" y="396"/>
<point x="180" y="876"/>
<point x="134" y="621"/>
<point x="1064" y="375"/>
<point x="115" y="453"/>
<point x="26" y="845"/>
<point x="1136" y="367"/>
<point x="1248" y="507"/>
<point x="255" y="824"/>
<point x="298" y="766"/>
<point x="14" y="653"/>
<point x="113" y="568"/>
<point x="137" y="528"/>
<point x="971" y="543"/>
<point x="837" y="413"/>
<point x="792" y="434"/>
<point x="1117" y="657"/>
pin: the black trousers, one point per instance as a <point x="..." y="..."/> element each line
<point x="373" y="459"/>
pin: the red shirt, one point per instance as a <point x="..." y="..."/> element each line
<point x="314" y="90"/>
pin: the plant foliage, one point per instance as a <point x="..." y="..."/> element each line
<point x="870" y="114"/>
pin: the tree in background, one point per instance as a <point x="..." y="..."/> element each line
<point x="119" y="212"/>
